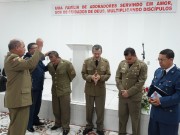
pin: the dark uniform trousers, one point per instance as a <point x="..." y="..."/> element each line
<point x="99" y="108"/>
<point x="61" y="111"/>
<point x="134" y="108"/>
<point x="35" y="107"/>
<point x="18" y="120"/>
<point x="157" y="128"/>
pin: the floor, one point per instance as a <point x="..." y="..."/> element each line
<point x="45" y="129"/>
<point x="111" y="103"/>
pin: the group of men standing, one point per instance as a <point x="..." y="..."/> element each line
<point x="23" y="92"/>
<point x="25" y="79"/>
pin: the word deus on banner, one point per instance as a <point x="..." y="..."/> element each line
<point x="150" y="6"/>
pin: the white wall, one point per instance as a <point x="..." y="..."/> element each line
<point x="33" y="19"/>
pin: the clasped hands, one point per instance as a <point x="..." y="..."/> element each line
<point x="95" y="77"/>
<point x="124" y="93"/>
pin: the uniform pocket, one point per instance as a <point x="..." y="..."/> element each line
<point x="90" y="71"/>
<point x="122" y="71"/>
<point x="168" y="84"/>
<point x="169" y="88"/>
<point x="172" y="109"/>
<point x="61" y="72"/>
<point x="102" y="71"/>
<point x="135" y="72"/>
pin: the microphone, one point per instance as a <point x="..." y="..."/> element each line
<point x="143" y="54"/>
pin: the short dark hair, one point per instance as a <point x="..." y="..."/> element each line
<point x="97" y="47"/>
<point x="54" y="53"/>
<point x="30" y="46"/>
<point x="14" y="43"/>
<point x="130" y="51"/>
<point x="168" y="52"/>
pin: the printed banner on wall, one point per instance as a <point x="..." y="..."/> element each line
<point x="149" y="6"/>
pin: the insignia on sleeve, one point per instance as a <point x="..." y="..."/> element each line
<point x="20" y="59"/>
<point x="15" y="58"/>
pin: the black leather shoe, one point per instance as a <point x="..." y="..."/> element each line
<point x="38" y="123"/>
<point x="54" y="127"/>
<point x="31" y="129"/>
<point x="100" y="132"/>
<point x="65" y="132"/>
<point x="87" y="130"/>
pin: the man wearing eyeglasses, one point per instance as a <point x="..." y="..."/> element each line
<point x="165" y="111"/>
<point x="37" y="75"/>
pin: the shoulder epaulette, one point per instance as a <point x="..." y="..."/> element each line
<point x="104" y="59"/>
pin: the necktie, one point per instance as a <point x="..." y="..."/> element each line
<point x="164" y="73"/>
<point x="55" y="66"/>
<point x="130" y="65"/>
<point x="96" y="63"/>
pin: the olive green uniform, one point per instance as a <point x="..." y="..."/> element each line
<point x="18" y="93"/>
<point x="131" y="79"/>
<point x="61" y="89"/>
<point x="95" y="93"/>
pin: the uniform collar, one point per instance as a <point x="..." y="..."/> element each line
<point x="167" y="70"/>
<point x="95" y="59"/>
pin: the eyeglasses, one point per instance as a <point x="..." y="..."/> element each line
<point x="162" y="59"/>
<point x="33" y="48"/>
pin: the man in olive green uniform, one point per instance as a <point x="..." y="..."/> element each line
<point x="62" y="72"/>
<point x="95" y="72"/>
<point x="130" y="78"/>
<point x="18" y="93"/>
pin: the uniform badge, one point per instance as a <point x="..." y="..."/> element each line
<point x="15" y="58"/>
<point x="20" y="59"/>
<point x="102" y="68"/>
